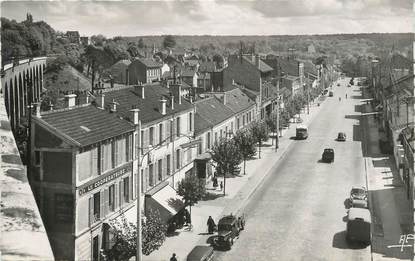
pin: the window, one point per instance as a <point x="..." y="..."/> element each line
<point x="226" y="131"/>
<point x="141" y="145"/>
<point x="178" y="127"/>
<point x="243" y="120"/>
<point x="161" y="133"/>
<point x="111" y="197"/>
<point x="208" y="140"/>
<point x="168" y="162"/>
<point x="200" y="146"/>
<point x="151" y="135"/>
<point x="216" y="137"/>
<point x="97" y="204"/>
<point x="160" y="169"/>
<point x="178" y="160"/>
<point x="126" y="189"/>
<point x="190" y="121"/>
<point x="232" y="127"/>
<point x="87" y="164"/>
<point x="106" y="157"/>
<point x="37" y="158"/>
<point x="150" y="175"/>
<point x="128" y="148"/>
<point x="237" y="124"/>
<point x="120" y="151"/>
<point x="142" y="181"/>
<point x="137" y="146"/>
<point x="220" y="135"/>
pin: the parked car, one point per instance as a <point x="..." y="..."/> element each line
<point x="325" y="92"/>
<point x="338" y="84"/>
<point x="229" y="228"/>
<point x="358" y="225"/>
<point x="359" y="203"/>
<point x="201" y="253"/>
<point x="328" y="155"/>
<point x="358" y="193"/>
<point x="331" y="94"/>
<point x="341" y="136"/>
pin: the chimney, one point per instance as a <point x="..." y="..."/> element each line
<point x="140" y="90"/>
<point x="224" y="99"/>
<point x="162" y="105"/>
<point x="70" y="100"/>
<point x="233" y="81"/>
<point x="257" y="62"/>
<point x="87" y="98"/>
<point x="100" y="100"/>
<point x="134" y="117"/>
<point x="172" y="101"/>
<point x="176" y="89"/>
<point x="50" y="106"/>
<point x="113" y="107"/>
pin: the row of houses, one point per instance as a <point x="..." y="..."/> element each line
<point x="88" y="157"/>
<point x="393" y="89"/>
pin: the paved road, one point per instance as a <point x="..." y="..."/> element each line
<point x="298" y="212"/>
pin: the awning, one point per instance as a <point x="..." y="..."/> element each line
<point x="204" y="156"/>
<point x="164" y="199"/>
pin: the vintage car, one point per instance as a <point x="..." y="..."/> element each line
<point x="229" y="228"/>
<point x="341" y="136"/>
<point x="328" y="155"/>
<point x="358" y="193"/>
<point x="201" y="253"/>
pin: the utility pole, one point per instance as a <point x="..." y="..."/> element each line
<point x="139" y="252"/>
<point x="278" y="106"/>
<point x="308" y="98"/>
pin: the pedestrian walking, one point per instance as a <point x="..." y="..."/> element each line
<point x="211" y="225"/>
<point x="173" y="257"/>
<point x="346" y="95"/>
<point x="221" y="185"/>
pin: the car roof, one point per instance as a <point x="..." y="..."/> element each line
<point x="330" y="149"/>
<point x="199" y="253"/>
<point x="359" y="187"/>
<point x="359" y="213"/>
<point x="227" y="220"/>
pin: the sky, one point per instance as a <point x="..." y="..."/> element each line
<point x="279" y="17"/>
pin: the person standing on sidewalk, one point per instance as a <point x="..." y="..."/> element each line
<point x="173" y="257"/>
<point x="211" y="225"/>
<point x="221" y="185"/>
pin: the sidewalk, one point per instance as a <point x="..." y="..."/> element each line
<point x="390" y="207"/>
<point x="238" y="191"/>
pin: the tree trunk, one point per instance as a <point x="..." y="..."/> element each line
<point x="259" y="150"/>
<point x="190" y="213"/>
<point x="244" y="166"/>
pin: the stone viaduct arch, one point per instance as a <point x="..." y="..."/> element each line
<point x="22" y="83"/>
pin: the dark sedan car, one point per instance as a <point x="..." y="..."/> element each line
<point x="328" y="155"/>
<point x="341" y="136"/>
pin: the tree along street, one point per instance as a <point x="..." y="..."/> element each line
<point x="299" y="211"/>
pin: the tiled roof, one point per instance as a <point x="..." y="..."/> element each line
<point x="207" y="67"/>
<point x="213" y="111"/>
<point x="263" y="66"/>
<point x="237" y="100"/>
<point x="149" y="62"/>
<point x="122" y="62"/>
<point x="86" y="125"/>
<point x="149" y="106"/>
<point x="201" y="124"/>
<point x="250" y="93"/>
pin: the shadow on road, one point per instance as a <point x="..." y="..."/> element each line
<point x="339" y="241"/>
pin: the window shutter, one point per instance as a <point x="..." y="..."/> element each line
<point x="146" y="139"/>
<point x="156" y="173"/>
<point x="174" y="129"/>
<point x="168" y="129"/>
<point x="182" y="159"/>
<point x="106" y="202"/>
<point x="95" y="161"/>
<point x="131" y="183"/>
<point x="121" y="194"/>
<point x="145" y="180"/>
<point x="174" y="167"/>
<point x="116" y="196"/>
<point x="164" y="168"/>
<point x="91" y="210"/>
<point x="102" y="204"/>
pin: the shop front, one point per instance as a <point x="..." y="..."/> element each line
<point x="164" y="200"/>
